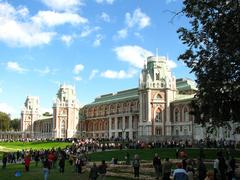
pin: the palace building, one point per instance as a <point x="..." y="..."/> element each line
<point x="157" y="109"/>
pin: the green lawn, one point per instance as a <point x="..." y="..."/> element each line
<point x="14" y="146"/>
<point x="35" y="173"/>
<point x="147" y="154"/>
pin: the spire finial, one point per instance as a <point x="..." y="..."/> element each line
<point x="157" y="53"/>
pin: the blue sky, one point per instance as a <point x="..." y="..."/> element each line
<point x="97" y="45"/>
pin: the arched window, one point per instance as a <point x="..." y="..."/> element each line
<point x="185" y="114"/>
<point x="158" y="117"/>
<point x="158" y="96"/>
<point x="176" y="115"/>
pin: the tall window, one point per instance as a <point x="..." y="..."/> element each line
<point x="126" y="122"/>
<point x="63" y="132"/>
<point x="176" y="115"/>
<point x="113" y="123"/>
<point x="185" y="114"/>
<point x="157" y="76"/>
<point x="158" y="131"/>
<point x="158" y="117"/>
<point x="119" y="123"/>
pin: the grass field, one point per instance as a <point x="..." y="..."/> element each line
<point x="14" y="146"/>
<point x="36" y="173"/>
<point x="147" y="154"/>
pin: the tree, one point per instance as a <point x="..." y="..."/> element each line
<point x="4" y="121"/>
<point x="47" y="114"/>
<point x="213" y="54"/>
<point x="15" y="124"/>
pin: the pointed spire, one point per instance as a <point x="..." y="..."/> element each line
<point x="157" y="53"/>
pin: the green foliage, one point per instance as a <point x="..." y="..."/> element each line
<point x="4" y="121"/>
<point x="15" y="124"/>
<point x="213" y="54"/>
<point x="47" y="114"/>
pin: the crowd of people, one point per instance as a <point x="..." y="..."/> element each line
<point x="77" y="156"/>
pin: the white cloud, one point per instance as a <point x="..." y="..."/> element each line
<point x="105" y="1"/>
<point x="105" y="17"/>
<point x="77" y="78"/>
<point x="171" y="64"/>
<point x="93" y="73"/>
<point x="63" y="5"/>
<point x="15" y="30"/>
<point x="51" y="18"/>
<point x="4" y="107"/>
<point x="118" y="74"/>
<point x="139" y="19"/>
<point x="121" y="34"/>
<point x="78" y="68"/>
<point x="67" y="39"/>
<point x="87" y="31"/>
<point x="98" y="40"/>
<point x="14" y="66"/>
<point x="134" y="55"/>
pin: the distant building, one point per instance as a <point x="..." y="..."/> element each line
<point x="156" y="110"/>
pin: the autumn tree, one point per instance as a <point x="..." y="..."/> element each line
<point x="213" y="54"/>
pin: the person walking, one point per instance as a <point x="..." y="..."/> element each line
<point x="202" y="170"/>
<point x="166" y="169"/>
<point x="93" y="172"/>
<point x="4" y="161"/>
<point x="136" y="165"/>
<point x="46" y="168"/>
<point x="157" y="165"/>
<point x="102" y="169"/>
<point x="27" y="161"/>
<point x="61" y="164"/>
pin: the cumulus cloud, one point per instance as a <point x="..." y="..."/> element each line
<point x="4" y="107"/>
<point x="105" y="17"/>
<point x="17" y="30"/>
<point x="123" y="33"/>
<point x="93" y="74"/>
<point x="67" y="39"/>
<point x="118" y="74"/>
<point x="88" y="30"/>
<point x="51" y="18"/>
<point x="138" y="18"/>
<point x="105" y="1"/>
<point x="14" y="66"/>
<point x="98" y="40"/>
<point x="63" y="5"/>
<point x="78" y="68"/>
<point x="134" y="55"/>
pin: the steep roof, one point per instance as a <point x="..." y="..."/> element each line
<point x="185" y="84"/>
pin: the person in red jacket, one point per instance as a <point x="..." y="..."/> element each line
<point x="27" y="161"/>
